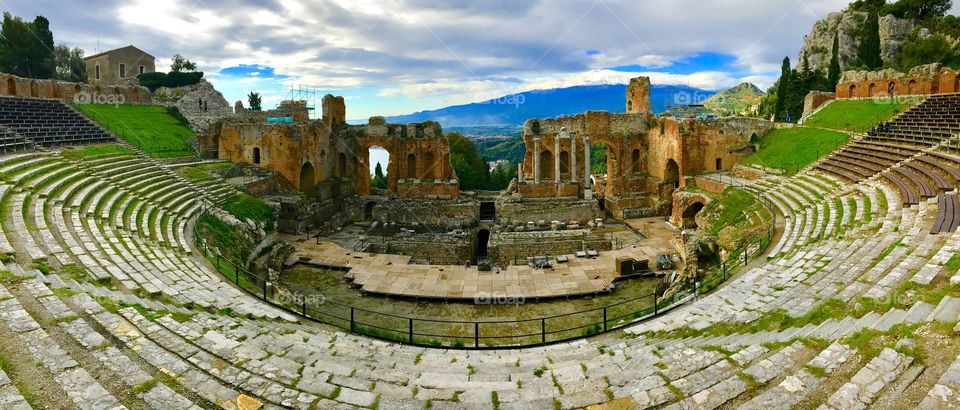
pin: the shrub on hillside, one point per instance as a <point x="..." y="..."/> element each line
<point x="153" y="81"/>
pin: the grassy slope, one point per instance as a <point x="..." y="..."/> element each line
<point x="97" y="150"/>
<point x="149" y="127"/>
<point x="792" y="149"/>
<point x="857" y="115"/>
<point x="246" y="206"/>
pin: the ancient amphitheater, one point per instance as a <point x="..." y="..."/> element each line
<point x="109" y="300"/>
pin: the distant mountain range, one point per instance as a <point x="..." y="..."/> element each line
<point x="514" y="109"/>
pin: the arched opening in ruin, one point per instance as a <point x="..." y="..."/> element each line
<point x="671" y="175"/>
<point x="135" y="96"/>
<point x="629" y="106"/>
<point x="564" y="165"/>
<point x="342" y="165"/>
<point x="956" y="84"/>
<point x="690" y="215"/>
<point x="635" y="160"/>
<point x="411" y="166"/>
<point x="912" y="87"/>
<point x="77" y="89"/>
<point x="57" y="91"/>
<point x="256" y="155"/>
<point x="11" y="87"/>
<point x="368" y="211"/>
<point x="483" y="240"/>
<point x="853" y="91"/>
<point x="546" y="166"/>
<point x="307" y="181"/>
<point x="429" y="166"/>
<point x="34" y="89"/>
<point x="871" y="90"/>
<point x="604" y="166"/>
<point x="377" y="155"/>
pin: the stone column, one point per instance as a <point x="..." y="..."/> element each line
<point x="520" y="172"/>
<point x="536" y="160"/>
<point x="586" y="162"/>
<point x="556" y="159"/>
<point x="573" y="159"/>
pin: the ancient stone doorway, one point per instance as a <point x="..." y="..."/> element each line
<point x="956" y="84"/>
<point x="411" y="166"/>
<point x="488" y="211"/>
<point x="719" y="164"/>
<point x="912" y="87"/>
<point x="256" y="155"/>
<point x="853" y="91"/>
<point x="135" y="96"/>
<point x="429" y="166"/>
<point x="635" y="160"/>
<point x="34" y="89"/>
<point x="11" y="87"/>
<point x="564" y="165"/>
<point x="871" y="90"/>
<point x="368" y="211"/>
<point x="483" y="239"/>
<point x="307" y="181"/>
<point x="672" y="174"/>
<point x="690" y="215"/>
<point x="377" y="155"/>
<point x="546" y="166"/>
<point x="342" y="165"/>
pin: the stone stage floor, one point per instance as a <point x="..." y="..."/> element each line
<point x="395" y="275"/>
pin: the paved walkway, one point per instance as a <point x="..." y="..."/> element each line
<point x="395" y="275"/>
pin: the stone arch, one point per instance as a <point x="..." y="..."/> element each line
<point x="690" y="215"/>
<point x="256" y="155"/>
<point x="57" y="91"/>
<point x="34" y="89"/>
<point x="871" y="90"/>
<point x="411" y="166"/>
<point x="853" y="91"/>
<point x="546" y="165"/>
<point x="342" y="165"/>
<point x="912" y="87"/>
<point x="564" y="164"/>
<point x="483" y="240"/>
<point x="307" y="179"/>
<point x="135" y="96"/>
<point x="11" y="87"/>
<point x="956" y="83"/>
<point x="368" y="210"/>
<point x="629" y="106"/>
<point x="671" y="174"/>
<point x="635" y="160"/>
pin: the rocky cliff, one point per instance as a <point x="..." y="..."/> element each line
<point x="200" y="103"/>
<point x="818" y="45"/>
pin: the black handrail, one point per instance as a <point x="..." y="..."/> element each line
<point x="256" y="285"/>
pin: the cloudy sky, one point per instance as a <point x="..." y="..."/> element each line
<point x="398" y="56"/>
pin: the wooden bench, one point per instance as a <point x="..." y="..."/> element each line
<point x="942" y="183"/>
<point x="907" y="194"/>
<point x="948" y="214"/>
<point x="926" y="190"/>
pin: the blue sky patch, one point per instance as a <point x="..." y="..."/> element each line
<point x="252" y="70"/>
<point x="689" y="64"/>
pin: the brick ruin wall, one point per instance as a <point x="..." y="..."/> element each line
<point x="922" y="80"/>
<point x="14" y="86"/>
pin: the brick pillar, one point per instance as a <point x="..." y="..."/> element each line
<point x="556" y="159"/>
<point x="536" y="160"/>
<point x="586" y="162"/>
<point x="573" y="159"/>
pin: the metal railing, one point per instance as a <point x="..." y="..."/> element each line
<point x="485" y="334"/>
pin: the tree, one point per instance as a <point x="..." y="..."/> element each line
<point x="783" y="87"/>
<point x="379" y="180"/>
<point x="470" y="166"/>
<point x="833" y="73"/>
<point x="869" y="50"/>
<point x="26" y="49"/>
<point x="69" y="64"/>
<point x="869" y="6"/>
<point x="933" y="49"/>
<point x="254" y="101"/>
<point x="921" y="10"/>
<point x="181" y="64"/>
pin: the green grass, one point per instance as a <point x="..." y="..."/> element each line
<point x="792" y="149"/>
<point x="857" y="115"/>
<point x="729" y="209"/>
<point x="953" y="265"/>
<point x="149" y="127"/>
<point x="97" y="150"/>
<point x="245" y="206"/>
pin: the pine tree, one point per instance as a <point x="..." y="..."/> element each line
<point x="833" y="73"/>
<point x="26" y="49"/>
<point x="869" y="50"/>
<point x="379" y="180"/>
<point x="783" y="88"/>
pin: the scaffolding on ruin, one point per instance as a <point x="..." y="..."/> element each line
<point x="300" y="94"/>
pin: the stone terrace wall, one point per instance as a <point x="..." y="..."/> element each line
<point x="921" y="80"/>
<point x="13" y="86"/>
<point x="505" y="248"/>
<point x="547" y="210"/>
